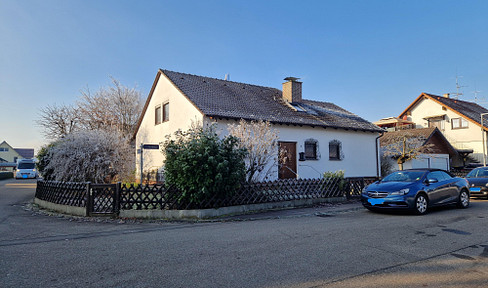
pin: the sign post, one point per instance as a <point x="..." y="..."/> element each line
<point x="141" y="151"/>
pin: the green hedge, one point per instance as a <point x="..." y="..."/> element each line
<point x="6" y="175"/>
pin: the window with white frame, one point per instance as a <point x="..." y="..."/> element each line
<point x="459" y="123"/>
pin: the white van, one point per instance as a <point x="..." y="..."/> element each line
<point x="26" y="168"/>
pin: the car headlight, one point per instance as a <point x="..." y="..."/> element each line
<point x="401" y="192"/>
<point x="364" y="191"/>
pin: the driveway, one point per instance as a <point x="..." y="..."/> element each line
<point x="355" y="248"/>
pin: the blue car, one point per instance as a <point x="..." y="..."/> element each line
<point x="416" y="190"/>
<point x="478" y="181"/>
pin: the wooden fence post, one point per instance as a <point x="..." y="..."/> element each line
<point x="88" y="199"/>
<point x="117" y="198"/>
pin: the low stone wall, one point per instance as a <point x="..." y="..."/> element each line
<point x="218" y="212"/>
<point x="65" y="209"/>
<point x="190" y="214"/>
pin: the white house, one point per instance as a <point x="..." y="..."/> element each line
<point x="9" y="156"/>
<point x="320" y="136"/>
<point x="458" y="120"/>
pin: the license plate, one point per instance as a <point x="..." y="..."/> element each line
<point x="475" y="189"/>
<point x="376" y="201"/>
<point x="24" y="176"/>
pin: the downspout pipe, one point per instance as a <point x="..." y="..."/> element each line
<point x="378" y="172"/>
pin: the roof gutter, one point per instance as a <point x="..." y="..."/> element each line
<point x="378" y="172"/>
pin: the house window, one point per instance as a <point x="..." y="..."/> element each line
<point x="436" y="123"/>
<point x="335" y="150"/>
<point x="311" y="148"/>
<point x="165" y="112"/>
<point x="459" y="123"/>
<point x="5" y="149"/>
<point x="157" y="113"/>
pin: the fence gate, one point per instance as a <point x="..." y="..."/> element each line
<point x="103" y="199"/>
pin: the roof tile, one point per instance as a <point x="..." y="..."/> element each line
<point x="227" y="99"/>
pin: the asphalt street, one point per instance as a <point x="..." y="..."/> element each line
<point x="329" y="246"/>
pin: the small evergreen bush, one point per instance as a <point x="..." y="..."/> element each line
<point x="202" y="165"/>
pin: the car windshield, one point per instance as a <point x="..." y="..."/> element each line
<point x="478" y="173"/>
<point x="404" y="176"/>
<point x="27" y="165"/>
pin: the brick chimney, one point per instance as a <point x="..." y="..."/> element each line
<point x="292" y="89"/>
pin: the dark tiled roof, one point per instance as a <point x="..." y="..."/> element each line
<point x="227" y="99"/>
<point x="469" y="109"/>
<point x="25" y="152"/>
<point x="422" y="133"/>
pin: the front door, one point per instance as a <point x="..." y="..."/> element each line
<point x="287" y="160"/>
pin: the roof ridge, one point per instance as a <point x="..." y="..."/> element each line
<point x="223" y="80"/>
<point x="453" y="99"/>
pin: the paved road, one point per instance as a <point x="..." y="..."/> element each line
<point x="353" y="249"/>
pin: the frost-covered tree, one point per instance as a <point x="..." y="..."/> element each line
<point x="116" y="107"/>
<point x="97" y="156"/>
<point x="113" y="108"/>
<point x="261" y="142"/>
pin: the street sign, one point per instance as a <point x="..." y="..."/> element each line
<point x="151" y="146"/>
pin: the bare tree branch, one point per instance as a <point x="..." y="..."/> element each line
<point x="58" y="121"/>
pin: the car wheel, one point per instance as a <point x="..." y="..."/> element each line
<point x="421" y="204"/>
<point x="463" y="201"/>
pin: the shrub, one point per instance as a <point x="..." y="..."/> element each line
<point x="44" y="157"/>
<point x="202" y="165"/>
<point x="339" y="175"/>
<point x="97" y="156"/>
<point x="6" y="175"/>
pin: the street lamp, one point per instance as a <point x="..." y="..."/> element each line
<point x="483" y="138"/>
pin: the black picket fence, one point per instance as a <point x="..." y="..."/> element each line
<point x="111" y="198"/>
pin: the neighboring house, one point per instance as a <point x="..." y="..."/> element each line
<point x="458" y="120"/>
<point x="394" y="124"/>
<point x="327" y="137"/>
<point x="434" y="149"/>
<point x="10" y="155"/>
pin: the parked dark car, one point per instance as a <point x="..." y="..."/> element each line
<point x="416" y="190"/>
<point x="478" y="181"/>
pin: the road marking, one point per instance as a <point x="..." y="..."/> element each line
<point x="21" y="185"/>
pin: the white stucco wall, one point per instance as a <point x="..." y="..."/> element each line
<point x="181" y="115"/>
<point x="468" y="138"/>
<point x="359" y="149"/>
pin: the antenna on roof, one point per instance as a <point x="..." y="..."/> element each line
<point x="458" y="87"/>
<point x="227" y="77"/>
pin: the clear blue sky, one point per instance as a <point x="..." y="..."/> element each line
<point x="372" y="58"/>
